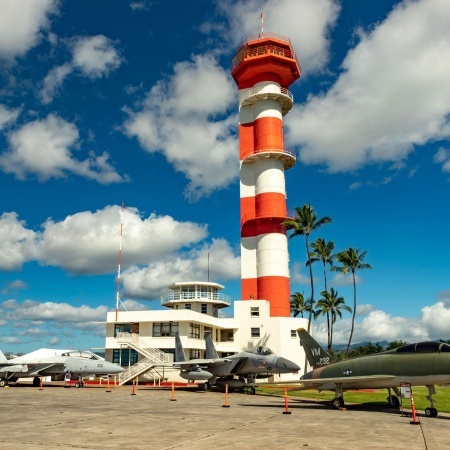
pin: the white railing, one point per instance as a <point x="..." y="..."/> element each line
<point x="134" y="341"/>
<point x="274" y="151"/>
<point x="135" y="370"/>
<point x="267" y="90"/>
<point x="196" y="296"/>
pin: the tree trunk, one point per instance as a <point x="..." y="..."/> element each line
<point x="328" y="315"/>
<point x="353" y="316"/>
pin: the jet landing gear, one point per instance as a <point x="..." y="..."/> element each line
<point x="338" y="401"/>
<point x="431" y="411"/>
<point x="80" y="382"/>
<point x="3" y="382"/>
<point x="393" y="400"/>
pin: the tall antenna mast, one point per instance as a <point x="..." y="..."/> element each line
<point x="261" y="17"/>
<point x="208" y="267"/>
<point x="118" y="267"/>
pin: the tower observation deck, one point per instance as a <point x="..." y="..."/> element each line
<point x="264" y="67"/>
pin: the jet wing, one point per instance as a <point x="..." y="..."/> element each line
<point x="205" y="363"/>
<point x="330" y="383"/>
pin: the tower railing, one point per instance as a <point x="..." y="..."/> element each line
<point x="196" y="296"/>
<point x="285" y="151"/>
<point x="247" y="52"/>
<point x="260" y="215"/>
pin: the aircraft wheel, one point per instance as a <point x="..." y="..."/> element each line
<point x="393" y="401"/>
<point x="3" y="383"/>
<point x="252" y="390"/>
<point x="78" y="384"/>
<point x="36" y="381"/>
<point x="206" y="386"/>
<point x="338" y="402"/>
<point x="431" y="412"/>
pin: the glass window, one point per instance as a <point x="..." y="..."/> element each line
<point x="195" y="330"/>
<point x="187" y="306"/>
<point x="215" y="311"/>
<point x="194" y="354"/>
<point x="125" y="356"/>
<point x="254" y="311"/>
<point x="255" y="333"/>
<point x="204" y="308"/>
<point x="164" y="329"/>
<point x="226" y="336"/>
<point x="122" y="328"/>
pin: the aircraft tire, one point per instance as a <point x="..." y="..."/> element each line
<point x="252" y="390"/>
<point x="206" y="386"/>
<point x="338" y="402"/>
<point x="78" y="384"/>
<point x="431" y="412"/>
<point x="393" y="401"/>
<point x="435" y="412"/>
<point x="3" y="382"/>
<point x="36" y="381"/>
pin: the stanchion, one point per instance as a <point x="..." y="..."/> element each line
<point x="133" y="388"/>
<point x="414" y="420"/>
<point x="108" y="389"/>
<point x="173" y="399"/>
<point x="40" y="385"/>
<point x="286" y="406"/>
<point x="226" y="397"/>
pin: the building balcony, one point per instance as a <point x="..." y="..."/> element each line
<point x="219" y="299"/>
<point x="280" y="94"/>
<point x="286" y="155"/>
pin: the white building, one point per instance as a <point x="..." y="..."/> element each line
<point x="137" y="338"/>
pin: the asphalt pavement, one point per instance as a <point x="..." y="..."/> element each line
<point x="157" y="418"/>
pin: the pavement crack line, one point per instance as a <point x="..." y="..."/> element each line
<point x="263" y="419"/>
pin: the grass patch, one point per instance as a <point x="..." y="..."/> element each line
<point x="377" y="397"/>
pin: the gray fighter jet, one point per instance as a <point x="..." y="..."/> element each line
<point x="56" y="363"/>
<point x="236" y="371"/>
<point x="421" y="364"/>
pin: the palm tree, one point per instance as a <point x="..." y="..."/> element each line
<point x="304" y="222"/>
<point x="332" y="305"/>
<point x="322" y="251"/>
<point x="351" y="260"/>
<point x="298" y="304"/>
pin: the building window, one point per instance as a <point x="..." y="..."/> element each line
<point x="195" y="330"/>
<point x="122" y="328"/>
<point x="215" y="311"/>
<point x="164" y="329"/>
<point x="208" y="330"/>
<point x="254" y="311"/>
<point x="293" y="333"/>
<point x="226" y="336"/>
<point x="125" y="356"/>
<point x="204" y="308"/>
<point x="194" y="354"/>
<point x="256" y="333"/>
<point x="187" y="306"/>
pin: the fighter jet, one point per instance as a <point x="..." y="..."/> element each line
<point x="56" y="363"/>
<point x="421" y="364"/>
<point x="236" y="371"/>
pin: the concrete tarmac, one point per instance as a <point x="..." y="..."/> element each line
<point x="91" y="418"/>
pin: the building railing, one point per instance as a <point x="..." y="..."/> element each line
<point x="134" y="341"/>
<point x="267" y="90"/>
<point x="283" y="151"/>
<point x="196" y="296"/>
<point x="259" y="215"/>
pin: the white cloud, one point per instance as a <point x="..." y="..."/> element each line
<point x="182" y="117"/>
<point x="340" y="279"/>
<point x="307" y="23"/>
<point x="21" y="25"/>
<point x="10" y="340"/>
<point x="53" y="341"/>
<point x="93" y="56"/>
<point x="393" y="93"/>
<point x="88" y="242"/>
<point x="43" y="148"/>
<point x="18" y="243"/>
<point x="442" y="156"/>
<point x="151" y="282"/>
<point x="7" y="116"/>
<point x="139" y="6"/>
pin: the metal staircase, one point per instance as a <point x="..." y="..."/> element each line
<point x="152" y="357"/>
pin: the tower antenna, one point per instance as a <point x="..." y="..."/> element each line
<point x="261" y="17"/>
<point x="118" y="267"/>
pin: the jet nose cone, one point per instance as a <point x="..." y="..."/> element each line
<point x="286" y="366"/>
<point x="114" y="368"/>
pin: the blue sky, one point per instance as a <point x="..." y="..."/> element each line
<point x="104" y="102"/>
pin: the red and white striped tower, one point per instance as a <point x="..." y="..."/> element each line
<point x="263" y="68"/>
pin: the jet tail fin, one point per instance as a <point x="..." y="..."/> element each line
<point x="2" y="357"/>
<point x="211" y="352"/>
<point x="179" y="352"/>
<point x="315" y="354"/>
